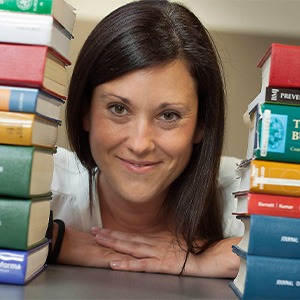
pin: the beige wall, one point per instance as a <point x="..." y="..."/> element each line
<point x="240" y="47"/>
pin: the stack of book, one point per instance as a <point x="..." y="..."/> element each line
<point x="268" y="198"/>
<point x="34" y="42"/>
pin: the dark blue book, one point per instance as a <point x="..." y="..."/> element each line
<point x="20" y="267"/>
<point x="270" y="236"/>
<point x="266" y="277"/>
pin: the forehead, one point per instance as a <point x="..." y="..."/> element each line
<point x="169" y="81"/>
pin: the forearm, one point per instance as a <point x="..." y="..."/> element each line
<point x="217" y="261"/>
<point x="80" y="248"/>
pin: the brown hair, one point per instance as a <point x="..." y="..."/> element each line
<point x="144" y="34"/>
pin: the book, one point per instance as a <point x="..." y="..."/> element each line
<point x="274" y="95"/>
<point x="266" y="277"/>
<point x="274" y="133"/>
<point x="280" y="66"/>
<point x="33" y="66"/>
<point x="19" y="267"/>
<point x="23" y="222"/>
<point x="63" y="12"/>
<point x="25" y="171"/>
<point x="30" y="100"/>
<point x="277" y="95"/>
<point x="27" y="129"/>
<point x="269" y="177"/>
<point x="267" y="204"/>
<point x="270" y="236"/>
<point x="34" y="29"/>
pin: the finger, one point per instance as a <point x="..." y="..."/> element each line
<point x="134" y="248"/>
<point x="150" y="265"/>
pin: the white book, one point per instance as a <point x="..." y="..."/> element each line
<point x="25" y="28"/>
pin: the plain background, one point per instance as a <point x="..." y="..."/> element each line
<point x="242" y="30"/>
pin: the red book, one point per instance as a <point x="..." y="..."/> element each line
<point x="33" y="66"/>
<point x="267" y="204"/>
<point x="280" y="66"/>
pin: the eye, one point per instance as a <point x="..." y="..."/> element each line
<point x="169" y="116"/>
<point x="118" y="109"/>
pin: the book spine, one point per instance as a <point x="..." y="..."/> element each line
<point x="16" y="128"/>
<point x="274" y="236"/>
<point x="18" y="99"/>
<point x="25" y="28"/>
<point x="15" y="170"/>
<point x="273" y="205"/>
<point x="282" y="96"/>
<point x="272" y="278"/>
<point x="274" y="178"/>
<point x="13" y="266"/>
<point x="14" y="216"/>
<point x="278" y="133"/>
<point x="37" y="6"/>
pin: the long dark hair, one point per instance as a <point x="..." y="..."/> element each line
<point x="143" y="34"/>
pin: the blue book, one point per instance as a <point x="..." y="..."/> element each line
<point x="30" y="100"/>
<point x="20" y="267"/>
<point x="266" y="277"/>
<point x="270" y="236"/>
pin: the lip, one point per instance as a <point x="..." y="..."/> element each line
<point x="139" y="167"/>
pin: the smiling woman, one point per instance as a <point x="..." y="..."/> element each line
<point x="143" y="189"/>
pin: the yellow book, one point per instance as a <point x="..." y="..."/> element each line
<point x="27" y="130"/>
<point x="271" y="177"/>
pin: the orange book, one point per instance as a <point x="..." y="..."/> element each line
<point x="269" y="177"/>
<point x="27" y="130"/>
<point x="33" y="66"/>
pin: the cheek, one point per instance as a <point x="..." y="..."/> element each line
<point x="178" y="144"/>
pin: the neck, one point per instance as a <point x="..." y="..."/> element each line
<point x="120" y="214"/>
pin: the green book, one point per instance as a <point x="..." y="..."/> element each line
<point x="274" y="133"/>
<point x="25" y="171"/>
<point x="63" y="12"/>
<point x="23" y="222"/>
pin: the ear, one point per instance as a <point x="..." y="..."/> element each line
<point x="86" y="122"/>
<point x="199" y="132"/>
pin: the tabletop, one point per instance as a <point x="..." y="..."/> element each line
<point x="70" y="282"/>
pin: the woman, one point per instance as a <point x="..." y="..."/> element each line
<point x="145" y="118"/>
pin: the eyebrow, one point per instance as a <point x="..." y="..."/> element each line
<point x="161" y="106"/>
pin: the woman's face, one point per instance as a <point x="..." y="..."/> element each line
<point x="142" y="127"/>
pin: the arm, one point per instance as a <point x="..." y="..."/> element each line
<point x="79" y="248"/>
<point x="160" y="253"/>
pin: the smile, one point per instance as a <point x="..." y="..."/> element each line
<point x="139" y="167"/>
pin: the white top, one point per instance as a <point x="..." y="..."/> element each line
<point x="70" y="188"/>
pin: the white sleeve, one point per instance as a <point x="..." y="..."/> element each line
<point x="70" y="192"/>
<point x="228" y="183"/>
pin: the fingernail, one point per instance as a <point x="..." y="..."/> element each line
<point x="115" y="264"/>
<point x="101" y="237"/>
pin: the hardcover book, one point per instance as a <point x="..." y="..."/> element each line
<point x="19" y="267"/>
<point x="280" y="66"/>
<point x="269" y="177"/>
<point x="267" y="204"/>
<point x="33" y="29"/>
<point x="24" y="222"/>
<point x="33" y="66"/>
<point x="275" y="95"/>
<point x="29" y="100"/>
<point x="266" y="277"/>
<point x="27" y="130"/>
<point x="63" y="12"/>
<point x="25" y="171"/>
<point x="270" y="236"/>
<point x="274" y="133"/>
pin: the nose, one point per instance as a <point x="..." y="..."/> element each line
<point x="141" y="138"/>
